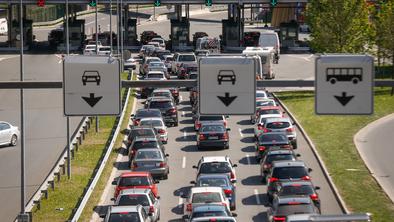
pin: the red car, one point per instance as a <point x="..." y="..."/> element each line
<point x="135" y="180"/>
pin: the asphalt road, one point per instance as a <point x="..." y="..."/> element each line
<point x="45" y="128"/>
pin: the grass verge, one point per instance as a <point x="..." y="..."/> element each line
<point x="61" y="201"/>
<point x="333" y="137"/>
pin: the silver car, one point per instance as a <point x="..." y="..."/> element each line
<point x="151" y="160"/>
<point x="140" y="196"/>
<point x="158" y="66"/>
<point x="281" y="125"/>
<point x="9" y="134"/>
<point x="126" y="213"/>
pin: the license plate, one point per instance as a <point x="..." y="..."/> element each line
<point x="149" y="165"/>
<point x="213" y="137"/>
<point x="275" y="147"/>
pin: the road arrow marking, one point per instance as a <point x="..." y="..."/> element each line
<point x="344" y="100"/>
<point x="91" y="100"/>
<point x="227" y="99"/>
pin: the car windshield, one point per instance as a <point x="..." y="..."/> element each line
<point x="294" y="209"/>
<point x="278" y="125"/>
<point x="155" y="76"/>
<point x="151" y="123"/>
<point x="144" y="144"/>
<point x="278" y="157"/>
<point x="206" y="197"/>
<point x="269" y="111"/>
<point x="170" y="59"/>
<point x="273" y="138"/>
<point x="156" y="64"/>
<point x="296" y="189"/>
<point x="265" y="103"/>
<point x="133" y="200"/>
<point x="123" y="217"/>
<point x="147" y="113"/>
<point x="289" y="172"/>
<point x="212" y="128"/>
<point x="165" y="94"/>
<point x="211" y="118"/>
<point x="133" y="181"/>
<point x="148" y="154"/>
<point x="260" y="94"/>
<point x="192" y="69"/>
<point x="215" y="167"/>
<point x="268" y="40"/>
<point x="209" y="214"/>
<point x="212" y="182"/>
<point x="160" y="104"/>
<point x="187" y="58"/>
<point x="193" y="76"/>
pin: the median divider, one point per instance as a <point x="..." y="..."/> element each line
<point x="317" y="156"/>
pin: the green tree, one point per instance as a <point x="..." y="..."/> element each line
<point x="339" y="26"/>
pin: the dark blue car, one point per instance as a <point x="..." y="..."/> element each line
<point x="218" y="180"/>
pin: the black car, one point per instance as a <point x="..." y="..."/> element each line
<point x="141" y="131"/>
<point x="145" y="113"/>
<point x="290" y="205"/>
<point x="167" y="108"/>
<point x="299" y="188"/>
<point x="272" y="140"/>
<point x="275" y="155"/>
<point x="213" y="134"/>
<point x="283" y="171"/>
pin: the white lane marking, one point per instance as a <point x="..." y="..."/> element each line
<point x="184" y="162"/>
<point x="184" y="134"/>
<point x="300" y="57"/>
<point x="256" y="194"/>
<point x="180" y="98"/>
<point x="240" y="132"/>
<point x="183" y="113"/>
<point x="248" y="159"/>
<point x="60" y="61"/>
<point x="180" y="201"/>
<point x="88" y="23"/>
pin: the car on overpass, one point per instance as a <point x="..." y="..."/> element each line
<point x="9" y="134"/>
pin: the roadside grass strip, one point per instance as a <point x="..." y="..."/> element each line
<point x="67" y="193"/>
<point x="333" y="138"/>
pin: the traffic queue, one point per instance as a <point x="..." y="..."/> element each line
<point x="212" y="197"/>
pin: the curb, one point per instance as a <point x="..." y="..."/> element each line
<point x="319" y="159"/>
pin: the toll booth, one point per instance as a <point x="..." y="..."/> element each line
<point x="288" y="34"/>
<point x="180" y="31"/>
<point x="131" y="37"/>
<point x="27" y="33"/>
<point x="232" y="34"/>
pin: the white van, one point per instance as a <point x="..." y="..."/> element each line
<point x="266" y="56"/>
<point x="3" y="26"/>
<point x="270" y="39"/>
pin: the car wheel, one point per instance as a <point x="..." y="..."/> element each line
<point x="14" y="140"/>
<point x="294" y="143"/>
<point x="165" y="177"/>
<point x="227" y="147"/>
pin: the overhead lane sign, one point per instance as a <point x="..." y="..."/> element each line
<point x="91" y="86"/>
<point x="344" y="84"/>
<point x="227" y="85"/>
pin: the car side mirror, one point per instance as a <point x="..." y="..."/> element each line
<point x="184" y="196"/>
<point x="185" y="217"/>
<point x="235" y="165"/>
<point x="156" y="181"/>
<point x="309" y="170"/>
<point x="114" y="182"/>
<point x="298" y="155"/>
<point x="228" y="129"/>
<point x="227" y="116"/>
<point x="317" y="188"/>
<point x="167" y="155"/>
<point x="194" y="166"/>
<point x="234" y="214"/>
<point x="150" y="214"/>
<point x="102" y="215"/>
<point x="283" y="112"/>
<point x="293" y="123"/>
<point x="132" y="115"/>
<point x="113" y="199"/>
<point x="158" y="197"/>
<point x="192" y="182"/>
<point x="233" y="181"/>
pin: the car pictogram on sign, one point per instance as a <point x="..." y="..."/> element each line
<point x="91" y="76"/>
<point x="226" y="76"/>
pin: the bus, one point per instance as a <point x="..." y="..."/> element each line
<point x="352" y="74"/>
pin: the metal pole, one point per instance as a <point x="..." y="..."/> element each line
<point x="22" y="107"/>
<point x="122" y="31"/>
<point x="138" y="17"/>
<point x="97" y="119"/>
<point x="68" y="118"/>
<point x="117" y="26"/>
<point x="110" y="24"/>
<point x="154" y="13"/>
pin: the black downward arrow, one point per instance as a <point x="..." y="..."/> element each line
<point x="227" y="99"/>
<point x="91" y="100"/>
<point x="344" y="100"/>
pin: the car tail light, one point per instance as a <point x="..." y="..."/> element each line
<point x="225" y="136"/>
<point x="161" y="131"/>
<point x="273" y="179"/>
<point x="232" y="176"/>
<point x="261" y="148"/>
<point x="212" y="220"/>
<point x="228" y="192"/>
<point x="314" y="196"/>
<point x="266" y="166"/>
<point x="225" y="124"/>
<point x="224" y="204"/>
<point x="151" y="209"/>
<point x="198" y="125"/>
<point x="285" y="146"/>
<point x="266" y="130"/>
<point x="162" y="164"/>
<point x="293" y="203"/>
<point x="189" y="207"/>
<point x="260" y="127"/>
<point x="136" y="122"/>
<point x="135" y="165"/>
<point x="172" y="110"/>
<point x="201" y="137"/>
<point x="132" y="152"/>
<point x="290" y="129"/>
<point x="306" y="178"/>
<point x="279" y="218"/>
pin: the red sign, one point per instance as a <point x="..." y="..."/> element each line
<point x="40" y="3"/>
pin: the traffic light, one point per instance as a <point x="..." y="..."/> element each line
<point x="40" y="3"/>
<point x="92" y="3"/>
<point x="157" y="3"/>
<point x="208" y="3"/>
<point x="274" y="3"/>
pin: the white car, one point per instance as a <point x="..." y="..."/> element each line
<point x="155" y="75"/>
<point x="162" y="42"/>
<point x="258" y="129"/>
<point x="90" y="50"/>
<point x="145" y="64"/>
<point x="143" y="49"/>
<point x="104" y="50"/>
<point x="202" y="195"/>
<point x="217" y="164"/>
<point x="155" y="44"/>
<point x="159" y="125"/>
<point x="261" y="94"/>
<point x="158" y="66"/>
<point x="130" y="63"/>
<point x="9" y="134"/>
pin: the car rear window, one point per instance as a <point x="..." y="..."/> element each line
<point x="212" y="128"/>
<point x="144" y="144"/>
<point x="186" y="58"/>
<point x="278" y="157"/>
<point x="148" y="154"/>
<point x="166" y="94"/>
<point x="286" y="210"/>
<point x="215" y="167"/>
<point x="265" y="103"/>
<point x="206" y="197"/>
<point x="269" y="40"/>
<point x="278" y="125"/>
<point x="289" y="172"/>
<point x="269" y="111"/>
<point x="151" y="123"/>
<point x="147" y="113"/>
<point x="212" y="182"/>
<point x="133" y="181"/>
<point x="261" y="94"/>
<point x="296" y="190"/>
<point x="142" y="132"/>
<point x="209" y="214"/>
<point x="192" y="69"/>
<point x="156" y="64"/>
<point x="153" y="76"/>
<point x="133" y="200"/>
<point x="122" y="217"/>
<point x="160" y="104"/>
<point x="211" y="118"/>
<point x="278" y="138"/>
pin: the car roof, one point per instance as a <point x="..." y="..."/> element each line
<point x="279" y="119"/>
<point x="155" y="110"/>
<point x="162" y="90"/>
<point x="210" y="218"/>
<point x="156" y="62"/>
<point x="120" y="209"/>
<point x="280" y="151"/>
<point x="215" y="159"/>
<point x="155" y="72"/>
<point x="209" y="207"/>
<point x="213" y="175"/>
<point x="212" y="123"/>
<point x="286" y="163"/>
<point x="161" y="98"/>
<point x="269" y="107"/>
<point x="206" y="189"/>
<point x="148" y="149"/>
<point x="134" y="191"/>
<point x="292" y="183"/>
<point x="145" y="138"/>
<point x="135" y="174"/>
<point x="151" y="118"/>
<point x="294" y="199"/>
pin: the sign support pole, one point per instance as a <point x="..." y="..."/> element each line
<point x="97" y="118"/>
<point x="68" y="118"/>
<point x="110" y="24"/>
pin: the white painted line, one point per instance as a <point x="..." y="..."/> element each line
<point x="240" y="132"/>
<point x="248" y="159"/>
<point x="184" y="134"/>
<point x="60" y="61"/>
<point x="90" y="23"/>
<point x="183" y="113"/>
<point x="180" y="201"/>
<point x="256" y="194"/>
<point x="180" y="98"/>
<point x="184" y="162"/>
